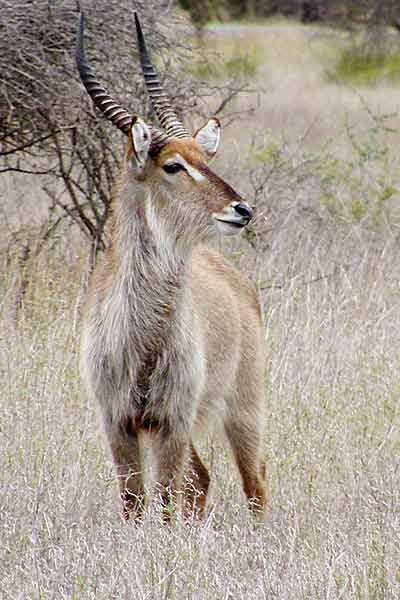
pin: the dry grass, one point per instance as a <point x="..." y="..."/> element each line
<point x="293" y="99"/>
<point x="331" y="291"/>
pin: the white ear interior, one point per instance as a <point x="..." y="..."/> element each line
<point x="141" y="141"/>
<point x="208" y="136"/>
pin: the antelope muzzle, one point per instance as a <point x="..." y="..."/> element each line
<point x="233" y="218"/>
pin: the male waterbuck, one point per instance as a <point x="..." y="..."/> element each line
<point x="172" y="338"/>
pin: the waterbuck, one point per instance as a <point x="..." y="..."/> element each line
<point x="172" y="339"/>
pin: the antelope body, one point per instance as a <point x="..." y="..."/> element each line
<point x="172" y="339"/>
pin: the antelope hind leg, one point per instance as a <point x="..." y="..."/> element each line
<point x="246" y="443"/>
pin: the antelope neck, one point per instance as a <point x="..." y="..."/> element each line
<point x="152" y="279"/>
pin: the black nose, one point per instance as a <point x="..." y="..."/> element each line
<point x="243" y="210"/>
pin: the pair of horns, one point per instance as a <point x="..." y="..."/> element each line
<point x="113" y="111"/>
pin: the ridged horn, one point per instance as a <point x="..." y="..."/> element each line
<point x="101" y="98"/>
<point x="160" y="101"/>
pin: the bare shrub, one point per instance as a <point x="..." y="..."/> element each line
<point x="49" y="128"/>
<point x="47" y="125"/>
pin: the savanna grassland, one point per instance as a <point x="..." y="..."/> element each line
<point x="319" y="159"/>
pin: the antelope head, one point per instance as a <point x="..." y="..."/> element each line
<point x="168" y="166"/>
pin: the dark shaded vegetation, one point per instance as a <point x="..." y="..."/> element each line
<point x="344" y="12"/>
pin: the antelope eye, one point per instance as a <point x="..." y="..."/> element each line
<point x="172" y="168"/>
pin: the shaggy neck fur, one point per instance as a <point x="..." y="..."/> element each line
<point x="149" y="293"/>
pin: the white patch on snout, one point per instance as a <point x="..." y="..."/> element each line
<point x="227" y="228"/>
<point x="228" y="222"/>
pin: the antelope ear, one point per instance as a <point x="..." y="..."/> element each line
<point x="140" y="135"/>
<point x="208" y="136"/>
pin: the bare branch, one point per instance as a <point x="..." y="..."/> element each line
<point x="23" y="147"/>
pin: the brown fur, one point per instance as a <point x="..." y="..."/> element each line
<point x="173" y="338"/>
